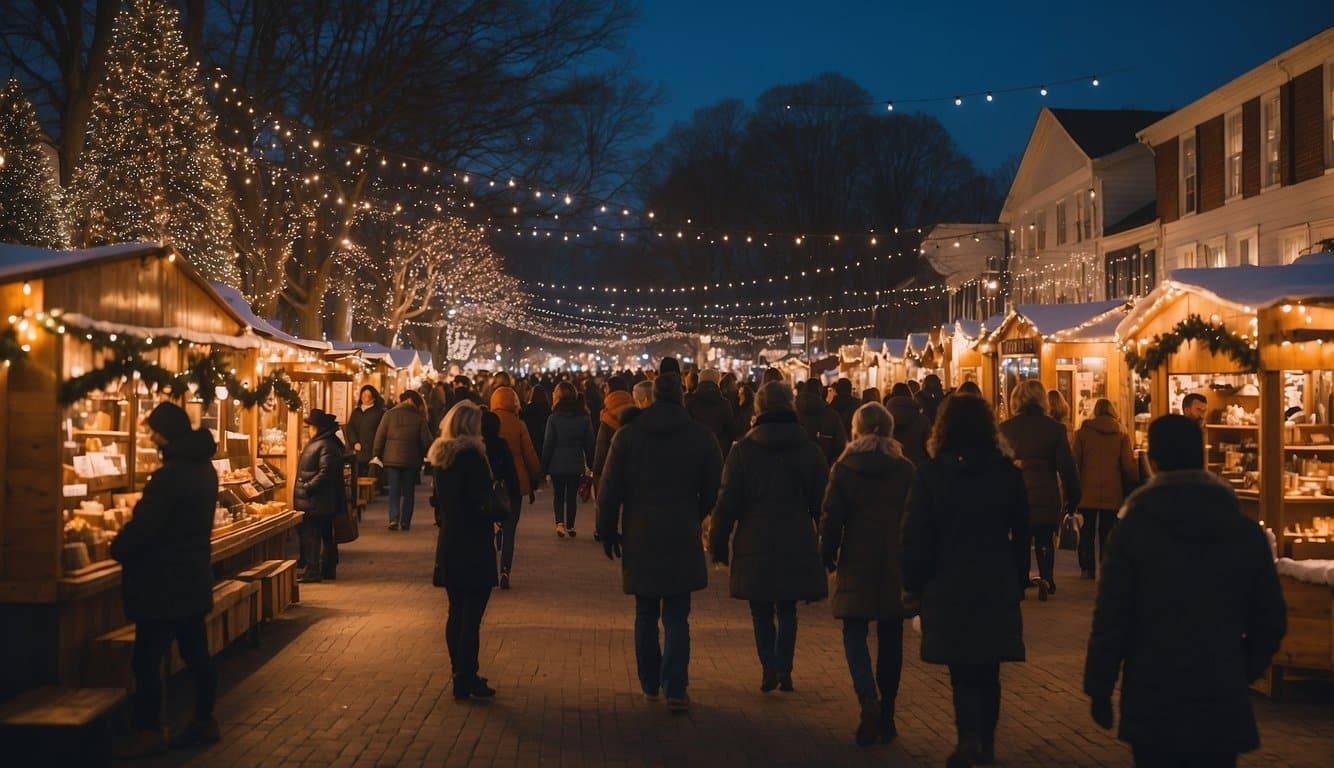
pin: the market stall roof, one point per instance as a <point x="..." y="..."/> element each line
<point x="24" y="262"/>
<point x="970" y="328"/>
<point x="371" y="350"/>
<point x="918" y="341"/>
<point x="425" y="358"/>
<point x="896" y="349"/>
<point x="829" y="363"/>
<point x="990" y="324"/>
<point x="1099" y="328"/>
<point x="1050" y="319"/>
<point x="1246" y="289"/>
<point x="261" y="326"/>
<point x="874" y="344"/>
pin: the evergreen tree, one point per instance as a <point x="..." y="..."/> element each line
<point x="152" y="168"/>
<point x="30" y="205"/>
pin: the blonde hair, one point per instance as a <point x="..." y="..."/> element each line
<point x="1029" y="393"/>
<point x="872" y="419"/>
<point x="643" y="393"/>
<point x="1060" y="409"/>
<point x="463" y="420"/>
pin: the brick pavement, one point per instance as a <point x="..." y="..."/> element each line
<point x="357" y="675"/>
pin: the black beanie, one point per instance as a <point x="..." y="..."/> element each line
<point x="670" y="365"/>
<point x="170" y="421"/>
<point x="667" y="387"/>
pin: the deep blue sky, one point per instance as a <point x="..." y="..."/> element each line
<point x="1171" y="51"/>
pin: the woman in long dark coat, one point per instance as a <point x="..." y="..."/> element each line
<point x="859" y="532"/>
<point x="319" y="492"/>
<point x="773" y="484"/>
<point x="965" y="542"/>
<point x="465" y="553"/>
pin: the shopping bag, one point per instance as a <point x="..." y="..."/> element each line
<point x="586" y="487"/>
<point x="345" y="527"/>
<point x="1069" y="537"/>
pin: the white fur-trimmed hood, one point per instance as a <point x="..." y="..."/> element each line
<point x="445" y="449"/>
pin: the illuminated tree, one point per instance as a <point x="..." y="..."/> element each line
<point x="151" y="169"/>
<point x="30" y="206"/>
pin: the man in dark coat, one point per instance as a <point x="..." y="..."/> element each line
<point x="710" y="409"/>
<point x="660" y="481"/>
<point x="912" y="428"/>
<point x="1189" y="604"/>
<point x="845" y="403"/>
<point x="401" y="443"/>
<point x="820" y="421"/>
<point x="167" y="579"/>
<point x="319" y="492"/>
<point x="930" y="396"/>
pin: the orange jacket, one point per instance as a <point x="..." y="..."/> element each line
<point x="505" y="404"/>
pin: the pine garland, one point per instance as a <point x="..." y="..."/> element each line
<point x="1194" y="328"/>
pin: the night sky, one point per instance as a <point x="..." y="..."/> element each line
<point x="1149" y="55"/>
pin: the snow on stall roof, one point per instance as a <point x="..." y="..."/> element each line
<point x="991" y="323"/>
<point x="1099" y="328"/>
<point x="874" y="344"/>
<point x="398" y="358"/>
<point x="1053" y="318"/>
<point x="425" y="357"/>
<point x="263" y="327"/>
<point x="1310" y="277"/>
<point x="918" y="341"/>
<point x="970" y="328"/>
<point x="22" y="261"/>
<point x="896" y="348"/>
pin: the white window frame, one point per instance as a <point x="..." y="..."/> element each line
<point x="1062" y="223"/>
<point x="1232" y="163"/>
<point x="1186" y="256"/>
<point x="1214" y="253"/>
<point x="1189" y="175"/>
<point x="1265" y="184"/>
<point x="1293" y="243"/>
<point x="1250" y="237"/>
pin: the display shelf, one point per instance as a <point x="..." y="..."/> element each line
<point x="1232" y="426"/>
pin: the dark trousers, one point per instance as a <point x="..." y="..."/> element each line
<point x="667" y="666"/>
<point x="152" y="640"/>
<point x="888" y="662"/>
<point x="776" y="645"/>
<point x="508" y="527"/>
<point x="463" y="630"/>
<point x="1098" y="523"/>
<point x="976" y="702"/>
<point x="1044" y="548"/>
<point x="565" y="498"/>
<point x="1146" y="757"/>
<point x="319" y="551"/>
<point x="402" y="494"/>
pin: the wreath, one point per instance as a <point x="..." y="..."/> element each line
<point x="1194" y="328"/>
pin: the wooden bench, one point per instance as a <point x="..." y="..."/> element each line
<point x="277" y="586"/>
<point x="60" y="726"/>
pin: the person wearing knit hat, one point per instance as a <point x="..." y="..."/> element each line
<point x="710" y="374"/>
<point x="669" y="365"/>
<point x="167" y="580"/>
<point x="618" y="399"/>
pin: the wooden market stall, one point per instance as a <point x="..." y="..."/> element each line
<point x="95" y="339"/>
<point x="919" y="355"/>
<point x="960" y="359"/>
<point x="1258" y="344"/>
<point x="1069" y="347"/>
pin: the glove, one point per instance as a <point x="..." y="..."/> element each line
<point x="1101" y="710"/>
<point x="611" y="546"/>
<point x="375" y="461"/>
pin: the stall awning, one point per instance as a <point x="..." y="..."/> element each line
<point x="1050" y="319"/>
<point x="261" y="326"/>
<point x="75" y="321"/>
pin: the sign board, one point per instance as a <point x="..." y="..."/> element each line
<point x="798" y="334"/>
<point x="1025" y="346"/>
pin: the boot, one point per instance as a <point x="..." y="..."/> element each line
<point x="888" y="730"/>
<point x="197" y="734"/>
<point x="785" y="682"/>
<point x="140" y="744"/>
<point x="309" y="576"/>
<point x="968" y="753"/>
<point x="329" y="573"/>
<point x="869" y="725"/>
<point x="769" y="680"/>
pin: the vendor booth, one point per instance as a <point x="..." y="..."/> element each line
<point x="1069" y="347"/>
<point x="960" y="359"/>
<point x="94" y="340"/>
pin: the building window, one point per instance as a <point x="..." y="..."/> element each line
<point x="1186" y="257"/>
<point x="1042" y="230"/>
<point x="1188" y="174"/>
<point x="1213" y="254"/>
<point x="1092" y="214"/>
<point x="1061" y="233"/>
<point x="1329" y="115"/>
<point x="1273" y="125"/>
<point x="1248" y="251"/>
<point x="1292" y="245"/>
<point x="1080" y="214"/>
<point x="1233" y="151"/>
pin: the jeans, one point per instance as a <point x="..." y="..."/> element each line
<point x="319" y="551"/>
<point x="669" y="666"/>
<point x="1099" y="522"/>
<point x="888" y="663"/>
<point x="976" y="702"/>
<point x="508" y="528"/>
<point x="463" y="630"/>
<point x="1146" y="757"/>
<point x="776" y="645"/>
<point x="1044" y="547"/>
<point x="402" y="491"/>
<point x="152" y="640"/>
<point x="565" y="498"/>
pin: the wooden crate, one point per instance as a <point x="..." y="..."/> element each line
<point x="60" y="726"/>
<point x="277" y="585"/>
<point x="1309" y="643"/>
<point x="243" y="612"/>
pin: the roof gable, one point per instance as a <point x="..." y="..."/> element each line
<point x="1100" y="132"/>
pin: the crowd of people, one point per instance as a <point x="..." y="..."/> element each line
<point x="917" y="504"/>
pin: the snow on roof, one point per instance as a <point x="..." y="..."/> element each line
<point x="992" y="323"/>
<point x="425" y="357"/>
<point x="970" y="328"/>
<point x="1102" y="328"/>
<point x="1246" y="288"/>
<point x="25" y="261"/>
<point x="372" y="350"/>
<point x="874" y="344"/>
<point x="1049" y="319"/>
<point x="263" y="327"/>
<point x="896" y="348"/>
<point x="918" y="341"/>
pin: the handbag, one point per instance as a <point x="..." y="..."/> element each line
<point x="1069" y="538"/>
<point x="345" y="527"/>
<point x="586" y="487"/>
<point x="498" y="502"/>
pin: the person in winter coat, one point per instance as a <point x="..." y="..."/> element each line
<point x="593" y="399"/>
<point x="870" y="395"/>
<point x="1042" y="451"/>
<point x="930" y="396"/>
<point x="1107" y="467"/>
<point x="437" y="401"/>
<point x="1189" y="612"/>
<point x="319" y="492"/>
<point x="965" y="544"/>
<point x="566" y="450"/>
<point x="845" y="403"/>
<point x="912" y="428"/>
<point x="361" y="426"/>
<point x="167" y="580"/>
<point x="773" y="483"/>
<point x="860" y="522"/>
<point x="527" y="467"/>
<point x="465" y="550"/>
<point x="535" y="415"/>
<point x="745" y="408"/>
<point x="660" y="481"/>
<point x="617" y="400"/>
<point x="501" y="460"/>
<point x="820" y="421"/>
<point x="401" y="443"/>
<point x="710" y="409"/>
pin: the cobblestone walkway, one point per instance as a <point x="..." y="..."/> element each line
<point x="357" y="675"/>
